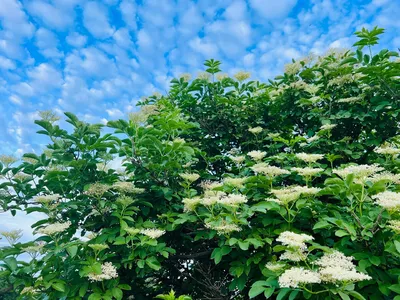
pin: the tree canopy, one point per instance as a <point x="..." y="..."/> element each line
<point x="224" y="188"/>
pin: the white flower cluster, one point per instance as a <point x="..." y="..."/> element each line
<point x="233" y="200"/>
<point x="46" y="198"/>
<point x="387" y="150"/>
<point x="336" y="267"/>
<point x="223" y="228"/>
<point x="190" y="204"/>
<point x="108" y="271"/>
<point x="292" y="193"/>
<point x="186" y="77"/>
<point x="152" y="232"/>
<point x="309" y="158"/>
<point x="308" y="171"/>
<point x="385" y="176"/>
<point x="257" y="154"/>
<point x="238" y="159"/>
<point x="211" y="185"/>
<point x="297" y="244"/>
<point x="236" y="182"/>
<point x="123" y="186"/>
<point x="29" y="290"/>
<point x="55" y="228"/>
<point x="241" y="75"/>
<point x="327" y="126"/>
<point x="361" y="172"/>
<point x="313" y="139"/>
<point x="394" y="225"/>
<point x="256" y="130"/>
<point x="350" y="100"/>
<point x="270" y="171"/>
<point x="293" y="68"/>
<point x="274" y="266"/>
<point x="294" y="240"/>
<point x="292" y="277"/>
<point x="97" y="190"/>
<point x="389" y="200"/>
<point x="189" y="177"/>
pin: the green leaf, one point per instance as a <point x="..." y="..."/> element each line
<point x="95" y="296"/>
<point x="356" y="295"/>
<point x="321" y="224"/>
<point x="11" y="262"/>
<point x="341" y="233"/>
<point x="58" y="286"/>
<point x="397" y="245"/>
<point x="72" y="251"/>
<point x="244" y="245"/>
<point x="153" y="263"/>
<point x="293" y="294"/>
<point x="282" y="293"/>
<point x="256" y="290"/>
<point x="117" y="293"/>
<point x="395" y="288"/>
<point x="83" y="289"/>
<point x="344" y="296"/>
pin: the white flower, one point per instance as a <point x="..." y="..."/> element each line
<point x="293" y="255"/>
<point x="189" y="177"/>
<point x="55" y="228"/>
<point x="238" y="159"/>
<point x="257" y="155"/>
<point x="327" y="126"/>
<point x="336" y="267"/>
<point x="294" y="240"/>
<point x="241" y="75"/>
<point x="274" y="266"/>
<point x="233" y="200"/>
<point x="190" y="204"/>
<point x="394" y="225"/>
<point x="286" y="195"/>
<point x="268" y="170"/>
<point x="361" y="172"/>
<point x="387" y="150"/>
<point x="46" y="198"/>
<point x="385" y="176"/>
<point x="221" y="76"/>
<point x="211" y="185"/>
<point x="389" y="200"/>
<point x="350" y="100"/>
<point x="152" y="232"/>
<point x="309" y="158"/>
<point x="223" y="228"/>
<point x="29" y="290"/>
<point x="186" y="77"/>
<point x="256" y="130"/>
<point x="203" y="76"/>
<point x="236" y="182"/>
<point x="293" y="277"/>
<point x="308" y="171"/>
<point x="293" y="68"/>
<point x="108" y="271"/>
<point x="212" y="197"/>
<point x="313" y="139"/>
<point x="305" y="190"/>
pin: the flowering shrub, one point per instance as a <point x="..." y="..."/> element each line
<point x="225" y="188"/>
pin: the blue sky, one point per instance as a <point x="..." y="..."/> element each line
<point x="97" y="58"/>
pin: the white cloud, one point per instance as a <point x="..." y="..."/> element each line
<point x="51" y="15"/>
<point x="47" y="42"/>
<point x="14" y="19"/>
<point x="45" y="77"/>
<point x="114" y="113"/>
<point x="95" y="20"/>
<point x="273" y="10"/>
<point x="128" y="11"/>
<point x="15" y="99"/>
<point x="76" y="40"/>
<point x="6" y="64"/>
